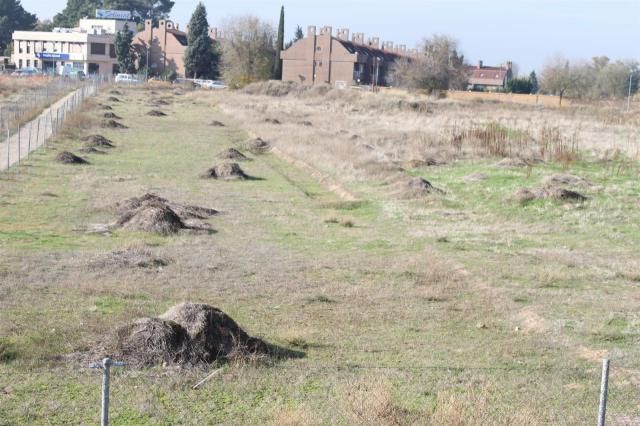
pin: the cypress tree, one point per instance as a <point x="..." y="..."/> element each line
<point x="124" y="50"/>
<point x="277" y="64"/>
<point x="199" y="59"/>
<point x="533" y="81"/>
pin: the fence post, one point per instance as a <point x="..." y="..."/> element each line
<point x="29" y="141"/>
<point x="105" y="366"/>
<point x="38" y="132"/>
<point x="604" y="388"/>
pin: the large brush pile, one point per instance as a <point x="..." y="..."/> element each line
<point x="189" y="333"/>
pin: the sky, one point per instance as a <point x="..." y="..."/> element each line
<point x="527" y="32"/>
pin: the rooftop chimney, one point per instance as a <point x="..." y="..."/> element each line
<point x="326" y="30"/>
<point x="358" y="38"/>
<point x="479" y="64"/>
<point x="311" y="31"/>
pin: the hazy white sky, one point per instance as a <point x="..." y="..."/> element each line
<point x="525" y="31"/>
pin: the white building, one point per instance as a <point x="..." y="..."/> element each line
<point x="88" y="48"/>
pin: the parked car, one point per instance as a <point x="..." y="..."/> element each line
<point x="26" y="72"/>
<point x="126" y="78"/>
<point x="210" y="84"/>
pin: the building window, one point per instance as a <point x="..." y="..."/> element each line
<point x="112" y="51"/>
<point x="19" y="63"/>
<point x="35" y="63"/>
<point x="98" y="48"/>
<point x="28" y="47"/>
<point x="28" y="63"/>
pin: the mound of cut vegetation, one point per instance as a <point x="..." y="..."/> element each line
<point x="113" y="99"/>
<point x="106" y="107"/>
<point x="151" y="213"/>
<point x="156" y="113"/>
<point x="232" y="154"/>
<point x="225" y="171"/>
<point x="526" y="195"/>
<point x="66" y="157"/>
<point x="112" y="115"/>
<point x="159" y="102"/>
<point x="97" y="141"/>
<point x="216" y="123"/>
<point x="257" y="146"/>
<point x="139" y="257"/>
<point x="511" y="163"/>
<point x="189" y="333"/>
<point x="113" y="124"/>
<point x="272" y="121"/>
<point x="92" y="150"/>
<point x="416" y="187"/>
<point x="565" y="179"/>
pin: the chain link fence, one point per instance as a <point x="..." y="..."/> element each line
<point x="28" y="124"/>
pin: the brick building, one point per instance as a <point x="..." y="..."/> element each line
<point x="322" y="58"/>
<point x="484" y="78"/>
<point x="164" y="46"/>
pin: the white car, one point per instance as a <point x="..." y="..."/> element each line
<point x="126" y="78"/>
<point x="210" y="84"/>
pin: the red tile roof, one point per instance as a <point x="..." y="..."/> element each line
<point x="488" y="76"/>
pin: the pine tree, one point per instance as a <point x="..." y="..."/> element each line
<point x="199" y="59"/>
<point x="124" y="50"/>
<point x="13" y="17"/>
<point x="74" y="11"/>
<point x="277" y="64"/>
<point x="533" y="81"/>
<point x="299" y="34"/>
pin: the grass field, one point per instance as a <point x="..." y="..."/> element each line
<point x="454" y="307"/>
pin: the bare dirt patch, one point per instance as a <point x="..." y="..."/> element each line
<point x="66" y="157"/>
<point x="131" y="257"/>
<point x="226" y="171"/>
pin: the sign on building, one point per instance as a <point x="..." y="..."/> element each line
<point x="123" y="15"/>
<point x="52" y="56"/>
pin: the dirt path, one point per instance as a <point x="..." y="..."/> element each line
<point x="35" y="133"/>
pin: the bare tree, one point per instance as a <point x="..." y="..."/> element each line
<point x="561" y="78"/>
<point x="247" y="51"/>
<point x="438" y="66"/>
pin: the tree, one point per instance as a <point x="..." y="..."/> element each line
<point x="248" y="52"/>
<point x="561" y="78"/>
<point x="533" y="79"/>
<point x="299" y="35"/>
<point x="612" y="79"/>
<point x="13" y="17"/>
<point x="277" y="63"/>
<point x="124" y="50"/>
<point x="438" y="67"/>
<point x="77" y="9"/>
<point x="519" y="85"/>
<point x="199" y="60"/>
<point x="74" y="11"/>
